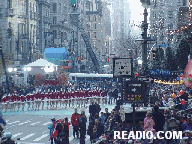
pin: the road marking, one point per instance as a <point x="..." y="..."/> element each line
<point x="34" y="123"/>
<point x="28" y="136"/>
<point x="46" y="123"/>
<point x="13" y="122"/>
<point x="70" y="138"/>
<point x="24" y="122"/>
<point x="43" y="136"/>
<point x="15" y="135"/>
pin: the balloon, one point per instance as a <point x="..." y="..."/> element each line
<point x="181" y="92"/>
<point x="188" y="79"/>
<point x="137" y="74"/>
<point x="190" y="75"/>
<point x="181" y="81"/>
<point x="173" y="95"/>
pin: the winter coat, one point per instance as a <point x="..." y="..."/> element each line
<point x="75" y="119"/>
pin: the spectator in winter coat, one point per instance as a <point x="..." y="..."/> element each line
<point x="107" y="114"/>
<point x="75" y="123"/>
<point x="90" y="130"/>
<point x="148" y="122"/>
<point x="187" y="125"/>
<point x="102" y="118"/>
<point x="51" y="128"/>
<point x="99" y="129"/>
<point x="158" y="118"/>
<point x="82" y="126"/>
<point x="66" y="131"/>
<point x="92" y="109"/>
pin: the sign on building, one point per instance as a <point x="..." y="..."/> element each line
<point x="134" y="91"/>
<point x="122" y="67"/>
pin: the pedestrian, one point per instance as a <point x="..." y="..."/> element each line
<point x="75" y="123"/>
<point x="66" y="131"/>
<point x="82" y="127"/>
<point x="110" y="94"/>
<point x="158" y="118"/>
<point x="148" y="122"/>
<point x="92" y="109"/>
<point x="50" y="127"/>
<point x="102" y="118"/>
<point x="107" y="114"/>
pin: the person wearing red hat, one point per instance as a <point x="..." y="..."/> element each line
<point x="28" y="101"/>
<point x="18" y="102"/>
<point x="183" y="103"/>
<point x="23" y="101"/>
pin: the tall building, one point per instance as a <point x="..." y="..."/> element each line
<point x="98" y="25"/>
<point x="18" y="29"/>
<point x="54" y="25"/>
<point x="164" y="20"/>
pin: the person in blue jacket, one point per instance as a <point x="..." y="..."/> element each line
<point x="50" y="127"/>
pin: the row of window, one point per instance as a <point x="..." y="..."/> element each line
<point x="89" y="26"/>
<point x="94" y="34"/>
<point x="161" y="14"/>
<point x="60" y="9"/>
<point x="91" y="18"/>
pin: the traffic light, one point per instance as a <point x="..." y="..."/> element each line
<point x="73" y="3"/>
<point x="108" y="59"/>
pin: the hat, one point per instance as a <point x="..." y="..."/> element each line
<point x="53" y="119"/>
<point x="8" y="135"/>
<point x="148" y="113"/>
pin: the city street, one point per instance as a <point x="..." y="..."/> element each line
<point x="32" y="126"/>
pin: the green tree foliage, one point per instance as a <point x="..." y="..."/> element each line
<point x="170" y="59"/>
<point x="158" y="58"/>
<point x="39" y="79"/>
<point x="182" y="54"/>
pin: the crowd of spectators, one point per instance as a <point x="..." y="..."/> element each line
<point x="173" y="117"/>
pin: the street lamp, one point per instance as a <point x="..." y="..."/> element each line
<point x="140" y="62"/>
<point x="27" y="69"/>
<point x="145" y="4"/>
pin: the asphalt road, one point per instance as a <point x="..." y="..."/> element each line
<point x="32" y="126"/>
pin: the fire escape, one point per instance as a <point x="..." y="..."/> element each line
<point x="75" y="20"/>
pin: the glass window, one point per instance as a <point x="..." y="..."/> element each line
<point x="54" y="20"/>
<point x="55" y="34"/>
<point x="54" y="7"/>
<point x="95" y="26"/>
<point x="95" y="35"/>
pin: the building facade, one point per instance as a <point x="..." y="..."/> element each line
<point x="18" y="29"/>
<point x="164" y="20"/>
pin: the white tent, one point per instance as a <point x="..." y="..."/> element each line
<point x="39" y="66"/>
<point x="40" y="63"/>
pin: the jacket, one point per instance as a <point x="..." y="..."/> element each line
<point x="75" y="119"/>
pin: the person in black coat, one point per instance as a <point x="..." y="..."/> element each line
<point x="99" y="128"/>
<point x="82" y="126"/>
<point x="107" y="114"/>
<point x="98" y="108"/>
<point x="158" y="118"/>
<point x="66" y="131"/>
<point x="92" y="109"/>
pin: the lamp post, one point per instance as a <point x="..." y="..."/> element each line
<point x="145" y="3"/>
